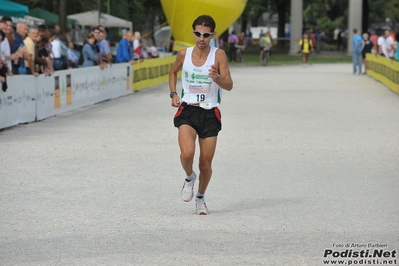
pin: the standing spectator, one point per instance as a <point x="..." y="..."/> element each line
<point x="56" y="53"/>
<point x="232" y="42"/>
<point x="261" y="34"/>
<point x="305" y="46"/>
<point x="249" y="37"/>
<point x="124" y="52"/>
<point x="89" y="51"/>
<point x="42" y="57"/>
<point x="5" y="47"/>
<point x="96" y="32"/>
<point x="356" y="51"/>
<point x="240" y="47"/>
<point x="103" y="45"/>
<point x="4" y="70"/>
<point x="19" y="34"/>
<point x="137" y="54"/>
<point x="312" y="37"/>
<point x="389" y="45"/>
<point x="367" y="45"/>
<point x="221" y="43"/>
<point x="30" y="44"/>
<point x="72" y="58"/>
<point x="265" y="44"/>
<point x="397" y="46"/>
<point x="373" y="39"/>
<point x="381" y="46"/>
<point x="335" y="36"/>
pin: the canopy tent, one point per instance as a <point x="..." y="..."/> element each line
<point x="47" y="16"/>
<point x="8" y="8"/>
<point x="90" y="18"/>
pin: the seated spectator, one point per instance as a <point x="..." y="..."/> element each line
<point x="89" y="52"/>
<point x="72" y="59"/>
<point x="124" y="51"/>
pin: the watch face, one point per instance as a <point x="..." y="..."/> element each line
<point x="172" y="93"/>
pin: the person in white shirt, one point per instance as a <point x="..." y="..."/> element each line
<point x="381" y="46"/>
<point x="5" y="47"/>
<point x="389" y="44"/>
<point x="136" y="46"/>
<point x="56" y="54"/>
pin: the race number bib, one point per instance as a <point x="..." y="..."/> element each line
<point x="200" y="94"/>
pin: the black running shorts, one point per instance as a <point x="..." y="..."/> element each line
<point x="207" y="123"/>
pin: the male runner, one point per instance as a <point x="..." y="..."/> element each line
<point x="204" y="73"/>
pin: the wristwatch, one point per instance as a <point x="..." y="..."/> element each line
<point x="173" y="94"/>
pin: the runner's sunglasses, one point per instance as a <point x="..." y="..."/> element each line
<point x="206" y="34"/>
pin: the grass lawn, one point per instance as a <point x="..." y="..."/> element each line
<point x="285" y="59"/>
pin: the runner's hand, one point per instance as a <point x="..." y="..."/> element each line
<point x="214" y="73"/>
<point x="176" y="101"/>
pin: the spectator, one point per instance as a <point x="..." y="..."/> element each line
<point x="72" y="58"/>
<point x="56" y="54"/>
<point x="265" y="44"/>
<point x="373" y="40"/>
<point x="43" y="58"/>
<point x="124" y="51"/>
<point x="30" y="44"/>
<point x="232" y="42"/>
<point x="367" y="45"/>
<point x="381" y="46"/>
<point x="305" y="46"/>
<point x="356" y="51"/>
<point x="389" y="45"/>
<point x="96" y="32"/>
<point x="5" y="49"/>
<point x="137" y="53"/>
<point x="17" y="43"/>
<point x="89" y="51"/>
<point x="4" y="71"/>
<point x="240" y="47"/>
<point x="397" y="46"/>
<point x="103" y="45"/>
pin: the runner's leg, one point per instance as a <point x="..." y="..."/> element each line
<point x="207" y="151"/>
<point x="187" y="136"/>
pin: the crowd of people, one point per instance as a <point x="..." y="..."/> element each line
<point x="35" y="50"/>
<point x="386" y="45"/>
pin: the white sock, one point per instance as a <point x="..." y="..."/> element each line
<point x="190" y="177"/>
<point x="199" y="195"/>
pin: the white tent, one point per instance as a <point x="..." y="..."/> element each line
<point x="90" y="18"/>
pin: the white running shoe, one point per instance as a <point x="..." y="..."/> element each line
<point x="187" y="191"/>
<point x="200" y="205"/>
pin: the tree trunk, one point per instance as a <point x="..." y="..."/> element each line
<point x="244" y="23"/>
<point x="281" y="11"/>
<point x="365" y="16"/>
<point x="62" y="16"/>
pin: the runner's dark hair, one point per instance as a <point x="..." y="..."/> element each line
<point x="206" y="21"/>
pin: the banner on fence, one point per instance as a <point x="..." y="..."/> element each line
<point x="30" y="98"/>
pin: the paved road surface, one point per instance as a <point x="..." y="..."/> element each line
<point x="307" y="161"/>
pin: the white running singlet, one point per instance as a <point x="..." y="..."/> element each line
<point x="198" y="86"/>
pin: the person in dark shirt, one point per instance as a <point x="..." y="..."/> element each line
<point x="367" y="45"/>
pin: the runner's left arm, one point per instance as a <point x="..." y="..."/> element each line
<point x="220" y="72"/>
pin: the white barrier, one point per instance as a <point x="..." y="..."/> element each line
<point x="31" y="98"/>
